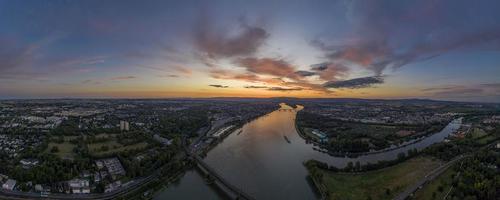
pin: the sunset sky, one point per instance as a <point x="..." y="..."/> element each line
<point x="339" y="49"/>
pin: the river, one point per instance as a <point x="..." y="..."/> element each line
<point x="261" y="162"/>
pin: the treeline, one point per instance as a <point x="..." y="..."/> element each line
<point x="51" y="170"/>
<point x="358" y="167"/>
<point x="477" y="177"/>
<point x="184" y="122"/>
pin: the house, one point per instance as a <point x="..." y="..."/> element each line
<point x="38" y="188"/>
<point x="79" y="186"/>
<point x="322" y="137"/>
<point x="113" y="186"/>
<point x="9" y="184"/>
<point x="99" y="164"/>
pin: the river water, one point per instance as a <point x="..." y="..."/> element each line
<point x="265" y="165"/>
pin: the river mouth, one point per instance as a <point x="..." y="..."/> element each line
<point x="266" y="158"/>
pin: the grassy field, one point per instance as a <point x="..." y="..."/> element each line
<point x="380" y="184"/>
<point x="477" y="133"/>
<point x="95" y="147"/>
<point x="432" y="190"/>
<point x="487" y="139"/>
<point x="65" y="149"/>
<point x="114" y="147"/>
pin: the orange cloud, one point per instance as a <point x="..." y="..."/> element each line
<point x="269" y="66"/>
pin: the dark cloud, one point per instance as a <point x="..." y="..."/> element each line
<point x="90" y="81"/>
<point x="394" y="34"/>
<point x="217" y="43"/>
<point x="485" y="89"/>
<point x="123" y="77"/>
<point x="169" y="76"/>
<point x="219" y="86"/>
<point x="282" y="89"/>
<point x="320" y="66"/>
<point x="305" y="73"/>
<point x="255" y="87"/>
<point x="355" y="83"/>
<point x="459" y="91"/>
<point x="330" y="71"/>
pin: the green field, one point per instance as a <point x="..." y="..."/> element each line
<point x="380" y="184"/>
<point x="113" y="147"/>
<point x="65" y="149"/>
<point x="432" y="190"/>
<point x="477" y="133"/>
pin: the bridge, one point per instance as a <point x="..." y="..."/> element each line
<point x="231" y="190"/>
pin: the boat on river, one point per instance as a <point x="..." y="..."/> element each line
<point x="286" y="138"/>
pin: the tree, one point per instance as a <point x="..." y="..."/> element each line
<point x="54" y="149"/>
<point x="387" y="191"/>
<point x="104" y="148"/>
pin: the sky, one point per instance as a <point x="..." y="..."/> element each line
<point x="436" y="49"/>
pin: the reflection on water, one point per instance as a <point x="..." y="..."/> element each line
<point x="191" y="186"/>
<point x="260" y="161"/>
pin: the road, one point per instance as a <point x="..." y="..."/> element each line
<point x="435" y="173"/>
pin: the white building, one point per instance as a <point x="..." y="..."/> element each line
<point x="79" y="186"/>
<point x="28" y="163"/>
<point x="9" y="184"/>
<point x="124" y="126"/>
<point x="112" y="186"/>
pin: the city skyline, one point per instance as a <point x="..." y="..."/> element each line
<point x="444" y="50"/>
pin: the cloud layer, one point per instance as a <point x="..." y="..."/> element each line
<point x="355" y="83"/>
<point x="394" y="34"/>
<point x="217" y="43"/>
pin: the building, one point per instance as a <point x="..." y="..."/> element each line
<point x="113" y="166"/>
<point x="79" y="186"/>
<point x="112" y="186"/>
<point x="124" y="126"/>
<point x="9" y="184"/>
<point x="321" y="136"/>
<point x="99" y="164"/>
<point x="29" y="163"/>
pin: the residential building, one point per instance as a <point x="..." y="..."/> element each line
<point x="9" y="184"/>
